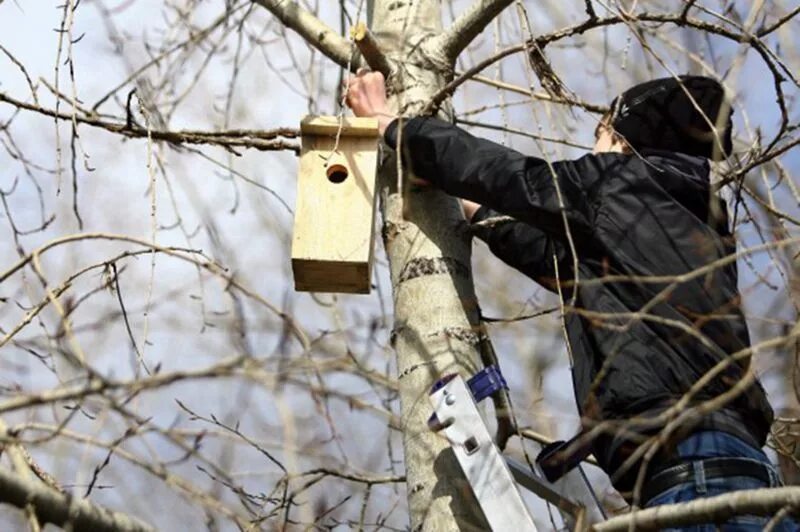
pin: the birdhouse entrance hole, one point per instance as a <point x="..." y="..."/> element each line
<point x="337" y="173"/>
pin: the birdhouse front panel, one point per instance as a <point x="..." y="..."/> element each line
<point x="332" y="244"/>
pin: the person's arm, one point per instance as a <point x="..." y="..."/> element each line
<point x="481" y="170"/>
<point x="521" y="246"/>
<point x="485" y="172"/>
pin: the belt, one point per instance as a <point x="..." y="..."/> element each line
<point x="712" y="468"/>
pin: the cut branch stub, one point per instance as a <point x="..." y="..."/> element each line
<point x="370" y="50"/>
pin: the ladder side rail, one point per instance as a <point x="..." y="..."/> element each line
<point x="484" y="466"/>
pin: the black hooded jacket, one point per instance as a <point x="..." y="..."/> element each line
<point x="636" y="223"/>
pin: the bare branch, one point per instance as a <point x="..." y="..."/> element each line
<point x="259" y="139"/>
<point x="780" y="22"/>
<point x="541" y="96"/>
<point x="711" y="510"/>
<point x="469" y="25"/>
<point x="448" y="89"/>
<point x="50" y="506"/>
<point x="545" y="138"/>
<point x="313" y="30"/>
<point x="592" y="24"/>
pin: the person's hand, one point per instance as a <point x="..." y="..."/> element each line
<point x="366" y="96"/>
<point x="469" y="208"/>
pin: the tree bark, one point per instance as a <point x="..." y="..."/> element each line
<point x="436" y="314"/>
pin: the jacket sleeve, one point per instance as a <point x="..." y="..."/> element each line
<point x="521" y="246"/>
<point x="517" y="185"/>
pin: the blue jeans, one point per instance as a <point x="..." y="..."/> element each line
<point x="712" y="444"/>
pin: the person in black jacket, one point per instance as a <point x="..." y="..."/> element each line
<point x="659" y="347"/>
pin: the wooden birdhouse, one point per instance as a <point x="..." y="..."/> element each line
<point x="335" y="213"/>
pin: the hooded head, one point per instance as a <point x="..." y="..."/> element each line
<point x="679" y="115"/>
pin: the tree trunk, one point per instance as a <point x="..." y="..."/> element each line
<point x="436" y="315"/>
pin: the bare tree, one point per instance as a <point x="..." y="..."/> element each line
<point x="156" y="359"/>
